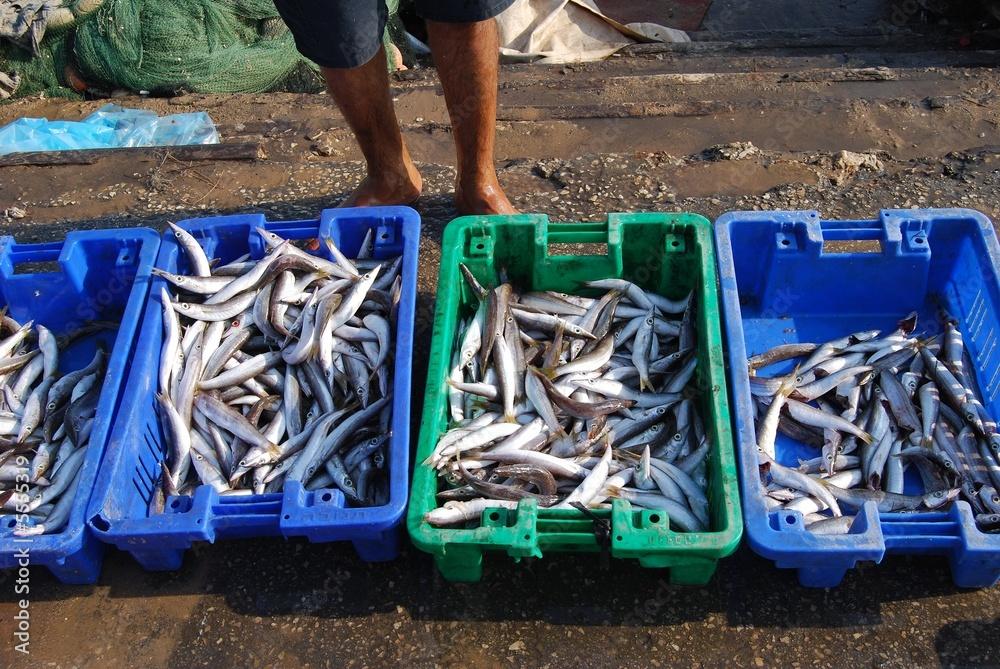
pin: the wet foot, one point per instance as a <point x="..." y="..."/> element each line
<point x="482" y="199"/>
<point x="387" y="189"/>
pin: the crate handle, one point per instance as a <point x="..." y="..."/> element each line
<point x="887" y="236"/>
<point x="13" y="254"/>
<point x="566" y="233"/>
<point x="552" y="238"/>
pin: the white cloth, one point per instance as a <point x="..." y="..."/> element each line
<point x="570" y="31"/>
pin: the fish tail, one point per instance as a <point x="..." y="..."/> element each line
<point x="875" y="481"/>
<point x="867" y="438"/>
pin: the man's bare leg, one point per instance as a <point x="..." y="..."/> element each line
<point x="362" y="95"/>
<point x="466" y="55"/>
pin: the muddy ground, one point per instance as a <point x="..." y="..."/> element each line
<point x="630" y="134"/>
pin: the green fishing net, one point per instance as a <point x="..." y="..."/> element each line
<point x="167" y="47"/>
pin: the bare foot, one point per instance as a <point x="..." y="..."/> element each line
<point x="483" y="199"/>
<point x="387" y="189"/>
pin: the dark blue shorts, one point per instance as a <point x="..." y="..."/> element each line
<point x="348" y="33"/>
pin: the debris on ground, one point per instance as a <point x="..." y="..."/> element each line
<point x="848" y="163"/>
<point x="14" y="213"/>
<point x="731" y="151"/>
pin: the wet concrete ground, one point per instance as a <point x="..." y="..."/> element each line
<point x="263" y="603"/>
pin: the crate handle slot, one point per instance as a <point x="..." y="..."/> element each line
<point x="835" y="246"/>
<point x="580" y="249"/>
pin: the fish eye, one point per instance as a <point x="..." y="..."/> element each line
<point x="996" y="499"/>
<point x="348" y="482"/>
<point x="798" y="379"/>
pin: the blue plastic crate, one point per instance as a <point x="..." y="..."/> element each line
<point x="793" y="277"/>
<point x="118" y="511"/>
<point x="92" y="275"/>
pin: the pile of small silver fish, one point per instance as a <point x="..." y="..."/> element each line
<point x="874" y="407"/>
<point x="573" y="401"/>
<point x="277" y="370"/>
<point x="45" y="425"/>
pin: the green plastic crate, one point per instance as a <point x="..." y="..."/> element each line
<point x="667" y="253"/>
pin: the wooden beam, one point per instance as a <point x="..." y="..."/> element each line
<point x="193" y="152"/>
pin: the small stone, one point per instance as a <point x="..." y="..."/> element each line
<point x="517" y="645"/>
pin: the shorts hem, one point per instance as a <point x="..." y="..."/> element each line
<point x="485" y="10"/>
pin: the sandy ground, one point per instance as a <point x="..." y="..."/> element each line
<point x="574" y="142"/>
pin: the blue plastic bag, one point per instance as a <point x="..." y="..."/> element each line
<point x="109" y="127"/>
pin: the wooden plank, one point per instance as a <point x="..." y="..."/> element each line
<point x="194" y="152"/>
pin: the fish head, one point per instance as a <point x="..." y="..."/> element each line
<point x="995" y="443"/>
<point x="933" y="500"/>
<point x="270" y="239"/>
<point x="346" y="484"/>
<point x="972" y="416"/>
<point x="178" y="233"/>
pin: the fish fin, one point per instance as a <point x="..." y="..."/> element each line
<point x="867" y="438"/>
